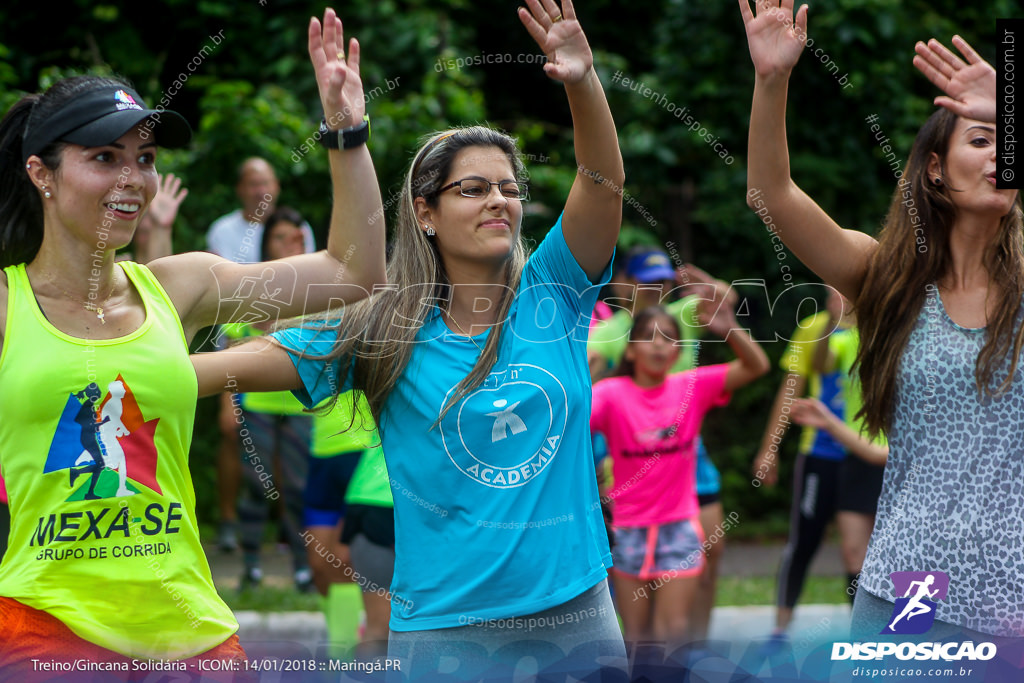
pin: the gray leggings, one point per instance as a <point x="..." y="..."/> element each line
<point x="563" y="640"/>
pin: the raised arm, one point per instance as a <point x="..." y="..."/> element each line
<point x="353" y="263"/>
<point x="751" y="361"/>
<point x="776" y="38"/>
<point x="593" y="211"/>
<point x="970" y="85"/>
<point x="811" y="411"/>
<point x="153" y="236"/>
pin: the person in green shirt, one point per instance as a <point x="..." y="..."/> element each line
<point x="370" y="535"/>
<point x="274" y="459"/>
<point x="818" y="465"/>
<point x="340" y="437"/>
<point x="861" y="472"/>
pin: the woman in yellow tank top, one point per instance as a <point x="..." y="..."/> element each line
<point x="104" y="562"/>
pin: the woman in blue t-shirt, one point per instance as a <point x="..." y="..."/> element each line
<point x="474" y="366"/>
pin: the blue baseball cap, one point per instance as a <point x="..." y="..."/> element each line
<point x="650" y="265"/>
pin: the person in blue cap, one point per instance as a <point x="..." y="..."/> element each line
<point x="653" y="280"/>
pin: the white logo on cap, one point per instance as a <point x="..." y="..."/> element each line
<point x="125" y="101"/>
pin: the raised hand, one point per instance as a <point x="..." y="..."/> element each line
<point x="169" y="196"/>
<point x="153" y="236"/>
<point x="775" y="39"/>
<point x="970" y="86"/>
<point x="811" y="412"/>
<point x="561" y="38"/>
<point x="717" y="314"/>
<point x="700" y="282"/>
<point x="341" y="90"/>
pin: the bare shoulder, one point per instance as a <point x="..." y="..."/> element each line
<point x="189" y="279"/>
<point x="185" y="276"/>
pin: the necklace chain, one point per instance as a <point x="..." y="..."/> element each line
<point x="464" y="333"/>
<point x="87" y="305"/>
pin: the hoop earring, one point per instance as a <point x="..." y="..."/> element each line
<point x="937" y="182"/>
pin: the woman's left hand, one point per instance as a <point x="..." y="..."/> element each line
<point x="337" y="77"/>
<point x="970" y="86"/>
<point x="561" y="38"/>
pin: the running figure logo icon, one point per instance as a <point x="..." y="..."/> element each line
<point x="918" y="594"/>
<point x="505" y="420"/>
<point x="104" y="443"/>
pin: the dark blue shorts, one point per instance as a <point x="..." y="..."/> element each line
<point x="324" y="497"/>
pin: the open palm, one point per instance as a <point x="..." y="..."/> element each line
<point x="561" y="38"/>
<point x="970" y="86"/>
<point x="341" y="90"/>
<point x="810" y="412"/>
<point x="775" y="39"/>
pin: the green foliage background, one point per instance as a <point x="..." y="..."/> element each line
<point x="254" y="94"/>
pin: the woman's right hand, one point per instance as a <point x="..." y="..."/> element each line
<point x="341" y="90"/>
<point x="774" y="38"/>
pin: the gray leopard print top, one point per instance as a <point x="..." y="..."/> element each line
<point x="953" y="493"/>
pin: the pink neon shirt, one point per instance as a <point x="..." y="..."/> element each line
<point x="651" y="434"/>
<point x="602" y="311"/>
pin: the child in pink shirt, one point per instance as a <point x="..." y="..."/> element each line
<point x="651" y="420"/>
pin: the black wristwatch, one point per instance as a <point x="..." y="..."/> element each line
<point x="346" y="138"/>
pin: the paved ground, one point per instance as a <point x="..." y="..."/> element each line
<point x="302" y="633"/>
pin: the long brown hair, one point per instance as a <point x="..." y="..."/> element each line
<point x="913" y="253"/>
<point x="377" y="335"/>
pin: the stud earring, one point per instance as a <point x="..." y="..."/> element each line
<point x="47" y="193"/>
<point x="429" y="230"/>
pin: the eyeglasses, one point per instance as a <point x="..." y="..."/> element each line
<point x="476" y="188"/>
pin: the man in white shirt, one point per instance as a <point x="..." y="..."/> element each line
<point x="236" y="236"/>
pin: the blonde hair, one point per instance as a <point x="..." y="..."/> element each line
<point x="377" y="335"/>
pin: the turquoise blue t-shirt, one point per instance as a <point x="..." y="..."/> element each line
<point x="496" y="509"/>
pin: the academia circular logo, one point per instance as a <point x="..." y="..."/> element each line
<point x="508" y="430"/>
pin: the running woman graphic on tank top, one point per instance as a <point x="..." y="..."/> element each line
<point x="108" y="440"/>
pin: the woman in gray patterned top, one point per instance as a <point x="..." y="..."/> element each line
<point x="938" y="298"/>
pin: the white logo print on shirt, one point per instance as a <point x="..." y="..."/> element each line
<point x="505" y="420"/>
<point x="507" y="447"/>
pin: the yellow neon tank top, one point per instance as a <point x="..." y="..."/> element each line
<point x="94" y="441"/>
